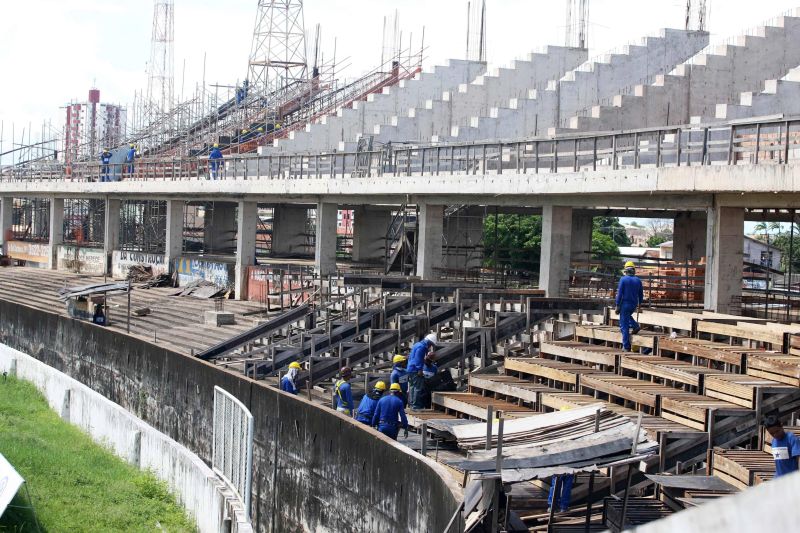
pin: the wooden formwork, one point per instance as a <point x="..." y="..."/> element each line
<point x="775" y="366"/>
<point x="638" y="512"/>
<point x="744" y="390"/>
<point x="698" y="350"/>
<point x="665" y="368"/>
<point x="640" y="393"/>
<point x="697" y="411"/>
<point x="612" y="335"/>
<point x="743" y="468"/>
<point x="507" y="387"/>
<point x="548" y="370"/>
<point x="582" y="353"/>
<point x="469" y="405"/>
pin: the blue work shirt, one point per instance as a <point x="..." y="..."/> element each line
<point x="344" y="396"/>
<point x="367" y="407"/>
<point x="429" y="370"/>
<point x="287" y="385"/>
<point x="630" y="291"/>
<point x="105" y="157"/>
<point x="399" y="375"/>
<point x="785" y="452"/>
<point x="215" y="154"/>
<point x="389" y="412"/>
<point x="417" y="356"/>
<point x="131" y="154"/>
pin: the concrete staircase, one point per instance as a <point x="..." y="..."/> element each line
<point x="780" y="96"/>
<point x="347" y="123"/>
<point x="582" y="87"/>
<point x="693" y="91"/>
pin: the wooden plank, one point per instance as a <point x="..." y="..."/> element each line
<point x="640" y="392"/>
<point x="693" y="409"/>
<point x="475" y="405"/>
<point x="743" y="330"/>
<point x="712" y="351"/>
<point x="562" y="372"/>
<point x="508" y="386"/>
<point x="778" y="367"/>
<point x="646" y="339"/>
<point x="742" y="389"/>
<point x="665" y="368"/>
<point x="578" y="351"/>
<point x="664" y="319"/>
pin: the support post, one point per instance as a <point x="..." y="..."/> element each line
<point x="725" y="241"/>
<point x="111" y="231"/>
<point x="429" y="247"/>
<point x="6" y="220"/>
<point x="325" y="252"/>
<point x="174" y="242"/>
<point x="556" y="247"/>
<point x="56" y="229"/>
<point x="247" y="221"/>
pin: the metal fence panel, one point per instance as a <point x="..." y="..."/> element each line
<point x="232" y="452"/>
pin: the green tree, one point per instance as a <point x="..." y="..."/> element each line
<point x="603" y="246"/>
<point x="612" y="227"/>
<point x="654" y="240"/>
<point x="786" y="242"/>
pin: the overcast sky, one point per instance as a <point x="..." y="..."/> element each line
<point x="53" y="51"/>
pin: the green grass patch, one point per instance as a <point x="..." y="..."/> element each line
<point x="76" y="485"/>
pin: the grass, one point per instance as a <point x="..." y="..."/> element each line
<point x="75" y="484"/>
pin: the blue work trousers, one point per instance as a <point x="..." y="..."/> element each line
<point x="416" y="391"/>
<point x="390" y="430"/>
<point x="626" y="323"/>
<point x="564" y="492"/>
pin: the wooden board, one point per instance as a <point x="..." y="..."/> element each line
<point x="744" y="331"/>
<point x="740" y="467"/>
<point x="640" y="392"/>
<point x="693" y="409"/>
<point x="646" y="339"/>
<point x="548" y="369"/>
<point x="585" y="353"/>
<point x="775" y="366"/>
<point x="665" y="368"/>
<point x="663" y="319"/>
<point x="508" y="386"/>
<point x="711" y="351"/>
<point x="475" y="405"/>
<point x="742" y="389"/>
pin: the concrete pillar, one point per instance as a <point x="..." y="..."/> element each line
<point x="429" y="246"/>
<point x="463" y="238"/>
<point x="288" y="229"/>
<point x="6" y="220"/>
<point x="556" y="248"/>
<point x="689" y="236"/>
<point x="246" y="226"/>
<point x="56" y="229"/>
<point x="174" y="245"/>
<point x="111" y="230"/>
<point x="219" y="228"/>
<point x="725" y="238"/>
<point x="325" y="254"/>
<point x="581" y="242"/>
<point x="369" y="233"/>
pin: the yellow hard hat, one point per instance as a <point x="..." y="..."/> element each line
<point x="295" y="364"/>
<point x="381" y="386"/>
<point x="399" y="358"/>
<point x="630" y="264"/>
<point x="216" y="145"/>
<point x="244" y="130"/>
<point x="133" y="145"/>
<point x="395" y="387"/>
<point x="261" y="129"/>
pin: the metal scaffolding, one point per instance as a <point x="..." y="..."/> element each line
<point x="143" y="226"/>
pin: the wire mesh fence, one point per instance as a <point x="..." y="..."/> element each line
<point x="232" y="454"/>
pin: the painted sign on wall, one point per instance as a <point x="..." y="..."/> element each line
<point x="122" y="261"/>
<point x="30" y="251"/>
<point x="191" y="269"/>
<point x="82" y="260"/>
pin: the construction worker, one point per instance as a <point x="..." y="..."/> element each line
<point x="105" y="160"/>
<point x="416" y="363"/>
<point x="288" y="381"/>
<point x="214" y="161"/>
<point x="630" y="295"/>
<point x="785" y="446"/>
<point x="399" y="374"/>
<point x="260" y="131"/>
<point x="366" y="408"/>
<point x="429" y="370"/>
<point x="344" y="396"/>
<point x="389" y="413"/>
<point x="130" y="157"/>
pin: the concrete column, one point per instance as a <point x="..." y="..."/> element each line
<point x="219" y="228"/>
<point x="556" y="248"/>
<point x="6" y="220"/>
<point x="429" y="246"/>
<point x="174" y="246"/>
<point x="689" y="236"/>
<point x="246" y="226"/>
<point x="582" y="226"/>
<point x="288" y="229"/>
<point x="325" y="254"/>
<point x="725" y="238"/>
<point x="56" y="229"/>
<point x="463" y="234"/>
<point x="111" y="230"/>
<point x="369" y="233"/>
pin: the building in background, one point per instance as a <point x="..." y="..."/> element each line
<point x="92" y="126"/>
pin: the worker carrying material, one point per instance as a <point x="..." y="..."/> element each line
<point x="630" y="295"/>
<point x="416" y="364"/>
<point x="389" y="414"/>
<point x="785" y="446"/>
<point x="105" y="160"/>
<point x="344" y="396"/>
<point x="289" y="380"/>
<point x="369" y="402"/>
<point x="429" y="370"/>
<point x="214" y="161"/>
<point x="399" y="375"/>
<point x="129" y="158"/>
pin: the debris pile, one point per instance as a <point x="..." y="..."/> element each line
<point x="200" y="289"/>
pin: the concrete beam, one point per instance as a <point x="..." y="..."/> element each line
<point x="429" y="240"/>
<point x="725" y="238"/>
<point x="56" y="232"/>
<point x="288" y="229"/>
<point x="325" y="253"/>
<point x="246" y="224"/>
<point x="219" y="228"/>
<point x="111" y="230"/>
<point x="689" y="236"/>
<point x="6" y="220"/>
<point x="556" y="247"/>
<point x="174" y="243"/>
<point x="369" y="233"/>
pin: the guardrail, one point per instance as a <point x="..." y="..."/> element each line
<point x="232" y="451"/>
<point x="757" y="142"/>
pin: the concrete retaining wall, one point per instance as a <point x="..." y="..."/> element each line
<point x="314" y="469"/>
<point x="197" y="487"/>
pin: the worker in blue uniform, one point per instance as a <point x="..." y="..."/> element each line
<point x="214" y="161"/>
<point x="564" y="496"/>
<point x="130" y="157"/>
<point x="416" y="363"/>
<point x="389" y="413"/>
<point x="785" y="446"/>
<point x="630" y="295"/>
<point x="429" y="370"/>
<point x="344" y="395"/>
<point x="289" y="380"/>
<point x="366" y="408"/>
<point x="105" y="160"/>
<point x="399" y="375"/>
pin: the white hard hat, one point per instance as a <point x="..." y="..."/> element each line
<point x="431" y="337"/>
